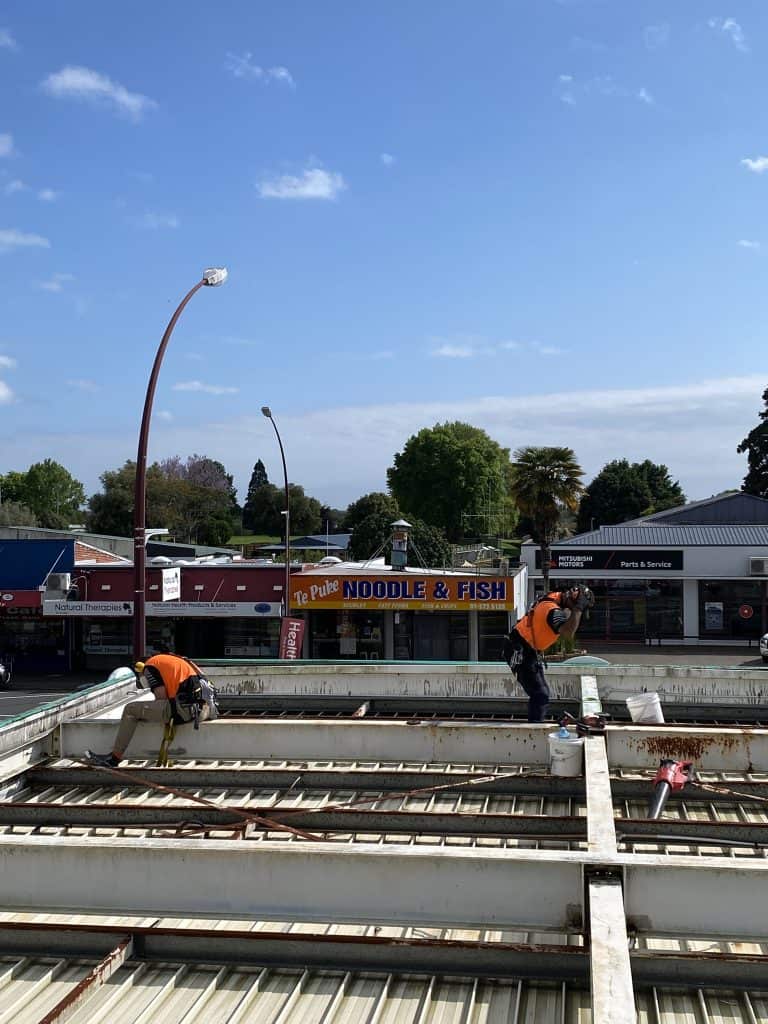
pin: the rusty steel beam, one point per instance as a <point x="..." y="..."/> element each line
<point x="70" y="1003"/>
<point x="532" y="785"/>
<point x="124" y="815"/>
<point x="318" y="950"/>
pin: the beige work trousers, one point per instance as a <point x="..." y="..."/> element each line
<point x="158" y="711"/>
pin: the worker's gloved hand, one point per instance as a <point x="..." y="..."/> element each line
<point x="586" y="599"/>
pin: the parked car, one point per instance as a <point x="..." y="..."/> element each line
<point x="764" y="647"/>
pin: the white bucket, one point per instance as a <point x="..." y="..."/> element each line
<point x="645" y="707"/>
<point x="565" y="754"/>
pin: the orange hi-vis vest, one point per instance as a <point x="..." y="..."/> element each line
<point x="535" y="629"/>
<point x="173" y="671"/>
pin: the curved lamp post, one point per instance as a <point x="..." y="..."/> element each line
<point x="211" y="277"/>
<point x="266" y="411"/>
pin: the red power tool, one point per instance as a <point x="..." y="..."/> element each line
<point x="672" y="775"/>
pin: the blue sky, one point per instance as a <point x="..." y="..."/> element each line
<point x="545" y="218"/>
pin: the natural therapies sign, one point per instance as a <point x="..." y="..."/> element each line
<point x="618" y="561"/>
<point x="403" y="593"/>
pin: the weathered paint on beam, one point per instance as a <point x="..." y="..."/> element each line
<point x="475" y="887"/>
<point x="695" y="896"/>
<point x="600" y="827"/>
<point x="613" y="999"/>
<point x="727" y="749"/>
<point x="328" y="740"/>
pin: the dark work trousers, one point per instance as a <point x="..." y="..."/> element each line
<point x="527" y="666"/>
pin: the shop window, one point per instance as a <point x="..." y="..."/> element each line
<point x="633" y="609"/>
<point x="107" y="636"/>
<point x="353" y="635"/>
<point x="492" y="628"/>
<point x="252" y="638"/>
<point x="403" y="636"/>
<point x="731" y="609"/>
<point x="458" y="636"/>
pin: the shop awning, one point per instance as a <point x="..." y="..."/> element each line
<point x="21" y="599"/>
<point x="26" y="564"/>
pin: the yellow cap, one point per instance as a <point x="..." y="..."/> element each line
<point x="139" y="667"/>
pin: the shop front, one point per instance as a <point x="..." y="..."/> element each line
<point x="405" y="616"/>
<point x="221" y="611"/>
<point x="664" y="583"/>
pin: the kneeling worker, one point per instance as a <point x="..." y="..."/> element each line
<point x="556" y="615"/>
<point x="180" y="698"/>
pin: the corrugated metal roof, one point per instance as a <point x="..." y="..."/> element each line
<point x="670" y="536"/>
<point x="215" y="995"/>
<point x="176" y="992"/>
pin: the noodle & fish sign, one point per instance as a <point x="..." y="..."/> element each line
<point x="403" y="593"/>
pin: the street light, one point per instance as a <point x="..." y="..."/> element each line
<point x="266" y="411"/>
<point x="211" y="277"/>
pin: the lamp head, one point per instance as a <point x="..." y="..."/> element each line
<point x="215" y="275"/>
<point x="266" y="411"/>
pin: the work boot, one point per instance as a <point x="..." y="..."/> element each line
<point x="101" y="760"/>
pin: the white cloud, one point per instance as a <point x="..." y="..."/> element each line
<point x="56" y="282"/>
<point x="671" y="425"/>
<point x="314" y="183"/>
<point x="731" y="28"/>
<point x="569" y="89"/>
<point x="6" y="395"/>
<point x="757" y="164"/>
<point x="84" y="384"/>
<point x="280" y="74"/>
<point x="10" y="239"/>
<point x="243" y="67"/>
<point x="208" y="389"/>
<point x="47" y="195"/>
<point x="747" y="243"/>
<point x="155" y="221"/>
<point x="17" y="185"/>
<point x="6" y="144"/>
<point x="473" y="347"/>
<point x="448" y="351"/>
<point x="387" y="159"/>
<point x="7" y="363"/>
<point x="656" y="37"/>
<point x="163" y="414"/>
<point x="7" y="42"/>
<point x="547" y="350"/>
<point x="85" y="84"/>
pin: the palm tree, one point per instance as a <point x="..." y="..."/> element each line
<point x="544" y="483"/>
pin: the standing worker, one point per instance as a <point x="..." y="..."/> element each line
<point x="556" y="615"/>
<point x="182" y="695"/>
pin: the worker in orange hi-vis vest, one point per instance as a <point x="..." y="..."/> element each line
<point x="169" y="677"/>
<point x="555" y="615"/>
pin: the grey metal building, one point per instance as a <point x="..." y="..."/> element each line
<point x="695" y="574"/>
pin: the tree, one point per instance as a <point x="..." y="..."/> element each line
<point x="51" y="492"/>
<point x="369" y="504"/>
<point x="755" y="444"/>
<point x="623" y="490"/>
<point x="374" y="533"/>
<point x="194" y="500"/>
<point x="331" y="519"/>
<point x="13" y="513"/>
<point x="258" y="495"/>
<point x="545" y="481"/>
<point x="448" y="473"/>
<point x="305" y="511"/>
